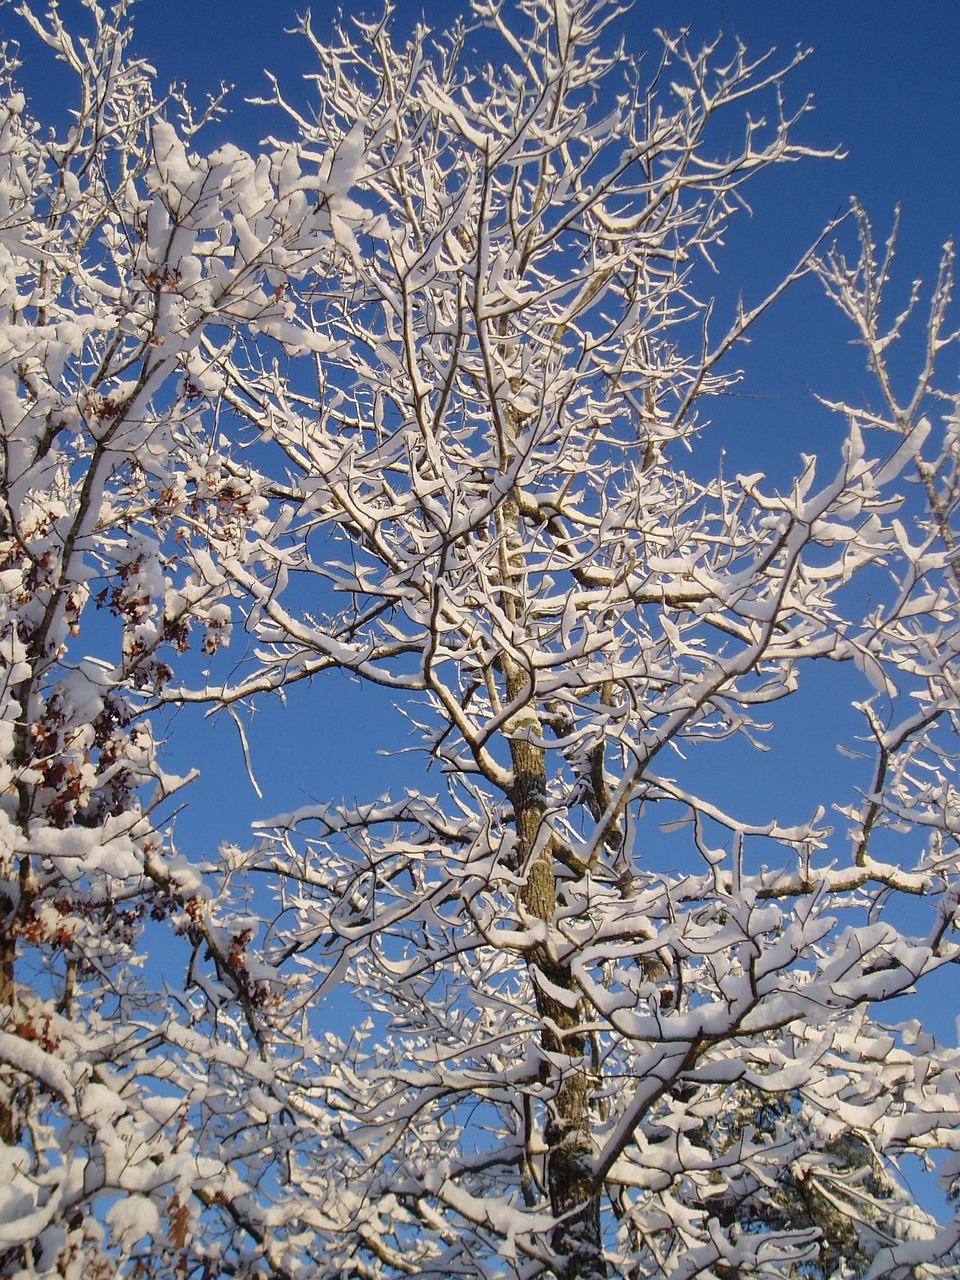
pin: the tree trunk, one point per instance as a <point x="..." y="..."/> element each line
<point x="8" y="946"/>
<point x="574" y="1198"/>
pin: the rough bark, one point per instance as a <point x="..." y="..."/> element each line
<point x="8" y="1126"/>
<point x="574" y="1198"/>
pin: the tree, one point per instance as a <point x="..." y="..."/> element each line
<point x="459" y="321"/>
<point x="118" y="263"/>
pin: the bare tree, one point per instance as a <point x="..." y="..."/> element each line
<point x="120" y="256"/>
<point x="490" y="515"/>
<point x="461" y="322"/>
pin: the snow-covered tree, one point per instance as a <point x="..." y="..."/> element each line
<point x="423" y="396"/>
<point x="128" y="274"/>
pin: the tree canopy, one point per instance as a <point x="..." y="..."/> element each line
<point x="420" y="392"/>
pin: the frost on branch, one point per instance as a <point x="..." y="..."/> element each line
<point x="422" y="397"/>
<point x="136" y="277"/>
<point x="497" y="504"/>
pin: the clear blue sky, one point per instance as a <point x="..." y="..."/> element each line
<point x="884" y="76"/>
<point x="885" y="80"/>
<point x="884" y="73"/>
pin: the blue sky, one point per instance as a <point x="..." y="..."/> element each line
<point x="884" y="75"/>
<point x="885" y="84"/>
<point x="884" y="79"/>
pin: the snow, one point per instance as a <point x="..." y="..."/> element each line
<point x="131" y="1219"/>
<point x="405" y="398"/>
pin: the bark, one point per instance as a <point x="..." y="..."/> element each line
<point x="574" y="1197"/>
<point x="8" y="1126"/>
